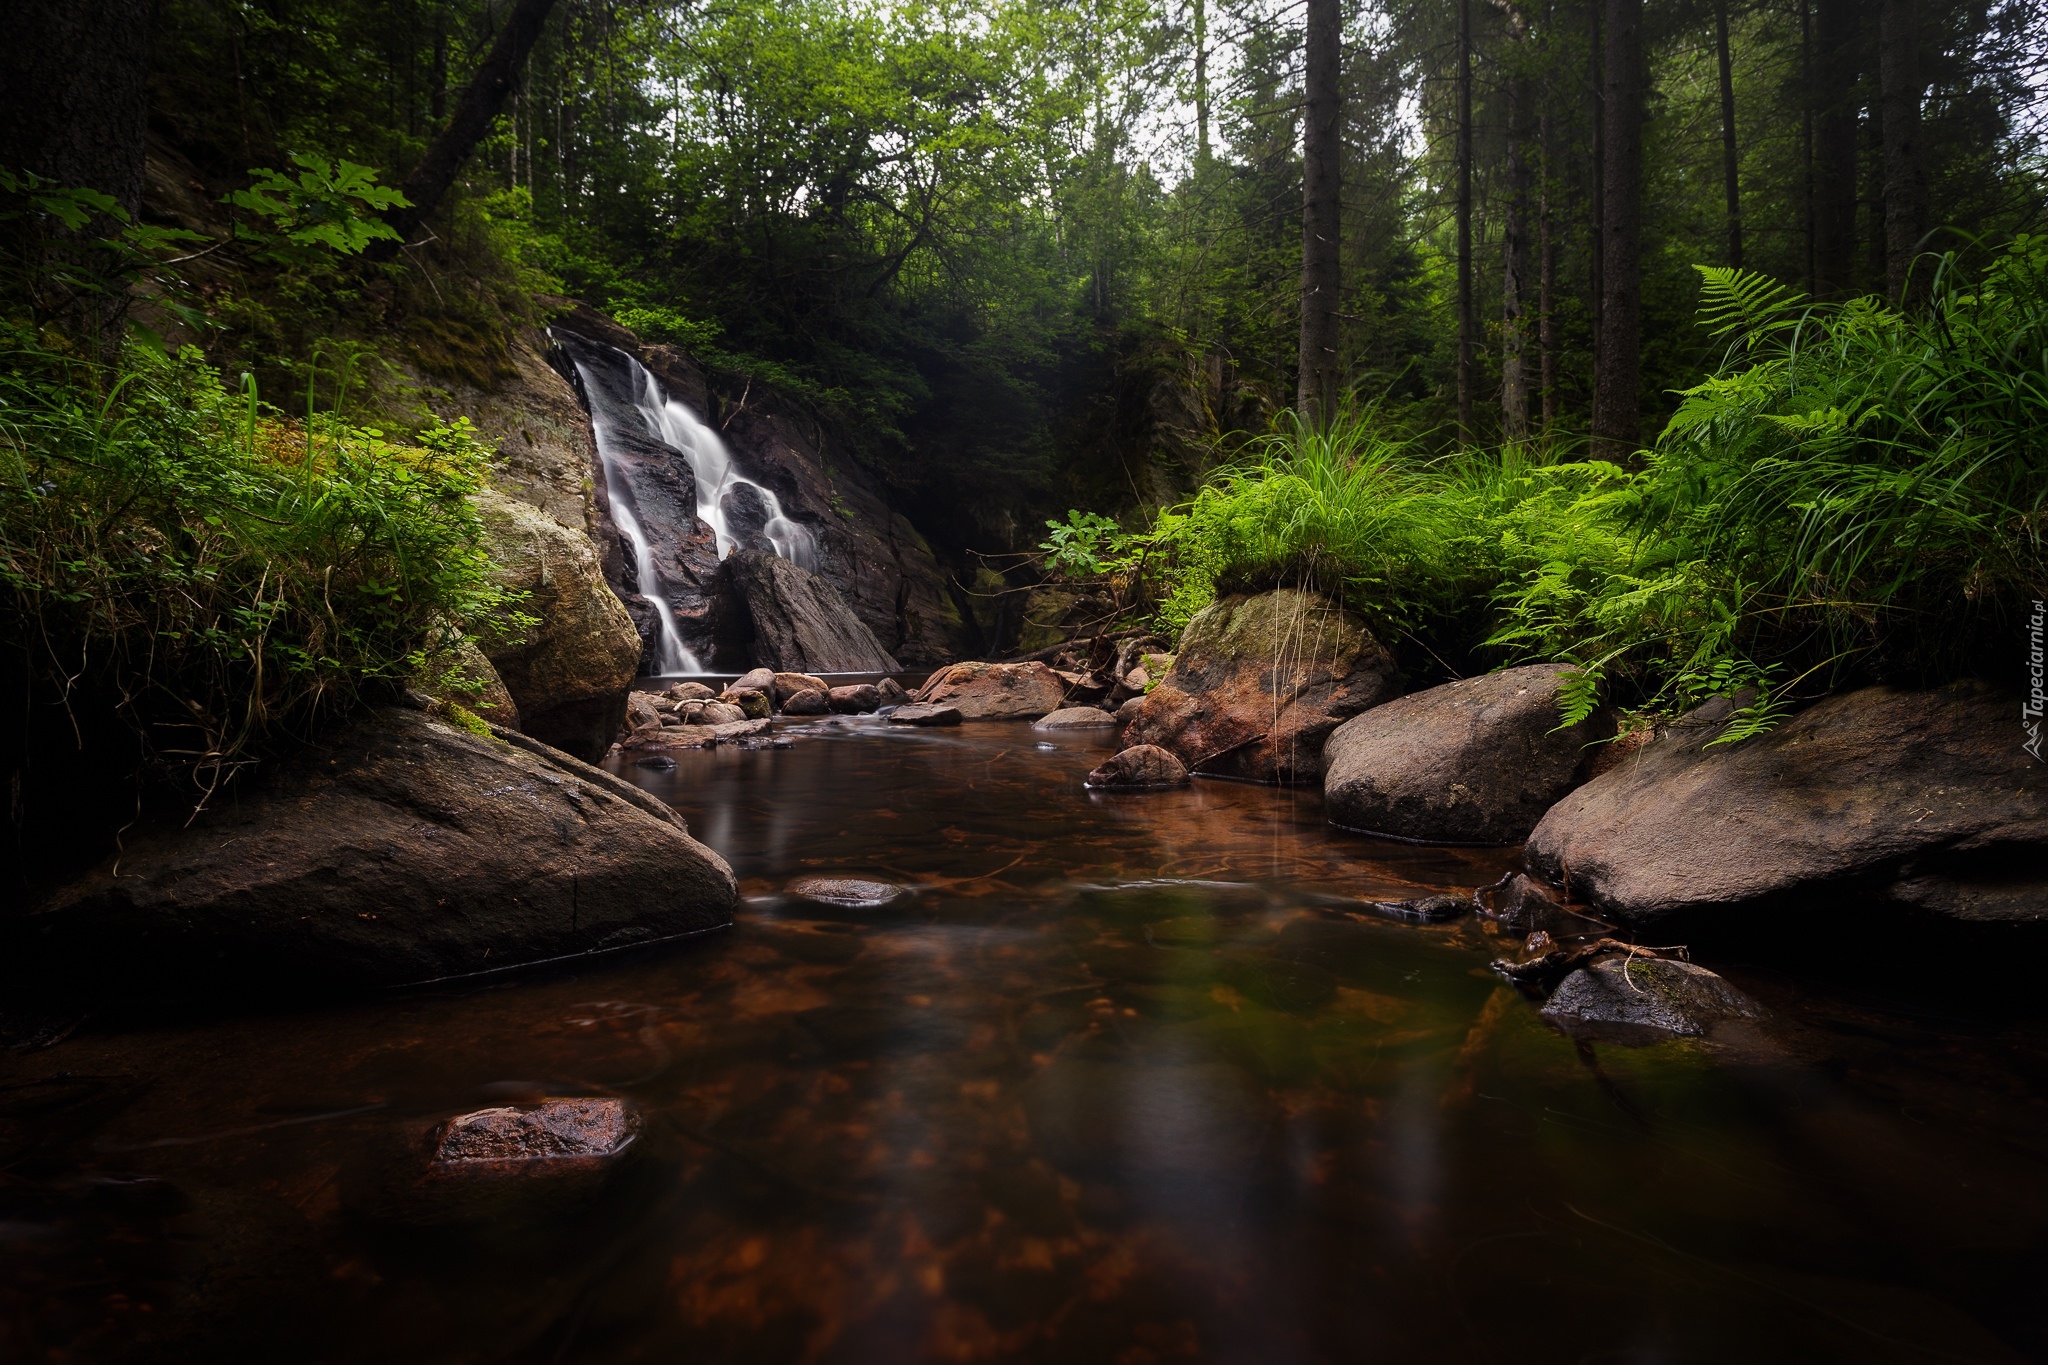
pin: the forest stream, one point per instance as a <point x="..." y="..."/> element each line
<point x="1123" y="1078"/>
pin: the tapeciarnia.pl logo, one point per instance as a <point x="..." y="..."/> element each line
<point x="2037" y="697"/>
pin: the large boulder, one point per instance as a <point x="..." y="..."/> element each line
<point x="568" y="674"/>
<point x="1477" y="761"/>
<point x="1918" y="797"/>
<point x="799" y="622"/>
<point x="400" y="849"/>
<point x="985" y="691"/>
<point x="1258" y="684"/>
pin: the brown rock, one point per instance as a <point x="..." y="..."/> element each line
<point x="985" y="691"/>
<point x="1143" y="767"/>
<point x="1477" y="761"/>
<point x="925" y="713"/>
<point x="752" y="702"/>
<point x="856" y="698"/>
<point x="815" y="701"/>
<point x="689" y="691"/>
<point x="788" y="685"/>
<point x="892" y="692"/>
<point x="1924" y="798"/>
<point x="1077" y="718"/>
<point x="644" y="711"/>
<point x="1260" y="682"/>
<point x="718" y="713"/>
<point x="757" y="680"/>
<point x="399" y="849"/>
<point x="554" y="1130"/>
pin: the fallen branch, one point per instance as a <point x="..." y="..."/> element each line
<point x="1557" y="964"/>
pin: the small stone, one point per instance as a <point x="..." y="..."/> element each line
<point x="689" y="691"/>
<point x="925" y="713"/>
<point x="1424" y="909"/>
<point x="1077" y="718"/>
<point x="892" y="692"/>
<point x="659" y="762"/>
<point x="815" y="701"/>
<point x="847" y="893"/>
<point x="856" y="699"/>
<point x="577" y="1130"/>
<point x="1656" y="993"/>
<point x="1143" y="767"/>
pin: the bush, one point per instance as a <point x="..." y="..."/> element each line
<point x="218" y="576"/>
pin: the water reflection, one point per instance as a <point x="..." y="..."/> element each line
<point x="1122" y="1081"/>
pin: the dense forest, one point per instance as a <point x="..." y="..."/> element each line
<point x="1699" y="345"/>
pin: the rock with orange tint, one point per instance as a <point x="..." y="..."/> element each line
<point x="985" y="691"/>
<point x="553" y="1131"/>
<point x="1142" y="767"/>
<point x="1258" y="684"/>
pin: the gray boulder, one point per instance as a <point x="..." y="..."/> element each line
<point x="798" y="620"/>
<point x="400" y="849"/>
<point x="1477" y="761"/>
<point x="1651" y="993"/>
<point x="1924" y="798"/>
<point x="1077" y="718"/>
<point x="1259" y="683"/>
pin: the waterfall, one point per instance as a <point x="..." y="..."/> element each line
<point x="717" y="485"/>
<point x="674" y="658"/>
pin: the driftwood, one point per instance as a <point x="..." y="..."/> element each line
<point x="1557" y="964"/>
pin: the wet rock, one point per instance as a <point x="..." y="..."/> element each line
<point x="925" y="713"/>
<point x="689" y="691"/>
<point x="644" y="712"/>
<point x="798" y="621"/>
<point x="753" y="703"/>
<point x="552" y="1131"/>
<point x="569" y="673"/>
<point x="1477" y="761"/>
<point x="1077" y="718"/>
<point x="814" y="701"/>
<point x="1653" y="993"/>
<point x="658" y="762"/>
<point x="847" y="893"/>
<point x="756" y="680"/>
<point x="892" y="692"/>
<point x="399" y="849"/>
<point x="788" y="685"/>
<point x="985" y="691"/>
<point x="1142" y="767"/>
<point x="1422" y="909"/>
<point x="1522" y="903"/>
<point x="747" y="516"/>
<point x="856" y="699"/>
<point x="1259" y="683"/>
<point x="1923" y="798"/>
<point x="717" y="713"/>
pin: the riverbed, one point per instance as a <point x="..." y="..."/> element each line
<point x="1123" y="1078"/>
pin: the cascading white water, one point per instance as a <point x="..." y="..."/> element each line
<point x="674" y="657"/>
<point x="711" y="464"/>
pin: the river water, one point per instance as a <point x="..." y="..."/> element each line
<point x="1129" y="1079"/>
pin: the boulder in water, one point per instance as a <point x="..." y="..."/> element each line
<point x="400" y="849"/>
<point x="1477" y="761"/>
<point x="752" y="703"/>
<point x="755" y="680"/>
<point x="1648" y="993"/>
<point x="925" y="713"/>
<point x="798" y="620"/>
<point x="814" y="701"/>
<point x="1920" y="798"/>
<point x="569" y="673"/>
<point x="1077" y="718"/>
<point x="892" y="692"/>
<point x="1142" y="767"/>
<point x="856" y="698"/>
<point x="788" y="685"/>
<point x="847" y="893"/>
<point x="1258" y="684"/>
<point x="985" y="691"/>
<point x="551" y="1132"/>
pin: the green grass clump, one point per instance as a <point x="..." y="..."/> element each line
<point x="178" y="559"/>
<point x="1856" y="493"/>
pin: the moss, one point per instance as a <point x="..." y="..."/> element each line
<point x="469" y="720"/>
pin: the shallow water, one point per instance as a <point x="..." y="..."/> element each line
<point x="1129" y="1079"/>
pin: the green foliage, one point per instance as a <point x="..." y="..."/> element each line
<point x="227" y="574"/>
<point x="1085" y="545"/>
<point x="329" y="206"/>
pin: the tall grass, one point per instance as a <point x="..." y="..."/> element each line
<point x="1855" y="493"/>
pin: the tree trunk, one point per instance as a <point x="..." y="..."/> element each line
<point x="1835" y="118"/>
<point x="1596" y="82"/>
<point x="1321" y="223"/>
<point x="1546" y="304"/>
<point x="1201" y="83"/>
<point x="1730" y="169"/>
<point x="1905" y="205"/>
<point x="1515" y="272"/>
<point x="1807" y="79"/>
<point x="1616" y="411"/>
<point x="74" y="109"/>
<point x="480" y="104"/>
<point x="1466" y="378"/>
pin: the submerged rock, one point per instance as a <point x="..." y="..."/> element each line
<point x="1422" y="909"/>
<point x="985" y="691"/>
<point x="1654" y="993"/>
<point x="925" y="713"/>
<point x="401" y="849"/>
<point x="1477" y="761"/>
<point x="1258" y="684"/>
<point x="1924" y="798"/>
<point x="570" y="672"/>
<point x="1142" y="767"/>
<point x="553" y="1131"/>
<point x="847" y="893"/>
<point x="798" y="620"/>
<point x="1077" y="718"/>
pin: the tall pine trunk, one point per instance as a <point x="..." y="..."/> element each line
<point x="1515" y="272"/>
<point x="1321" y="217"/>
<point x="1730" y="170"/>
<point x="1546" y="302"/>
<point x="1905" y="206"/>
<point x="1467" y="380"/>
<point x="1835" y="117"/>
<point x="1618" y="373"/>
